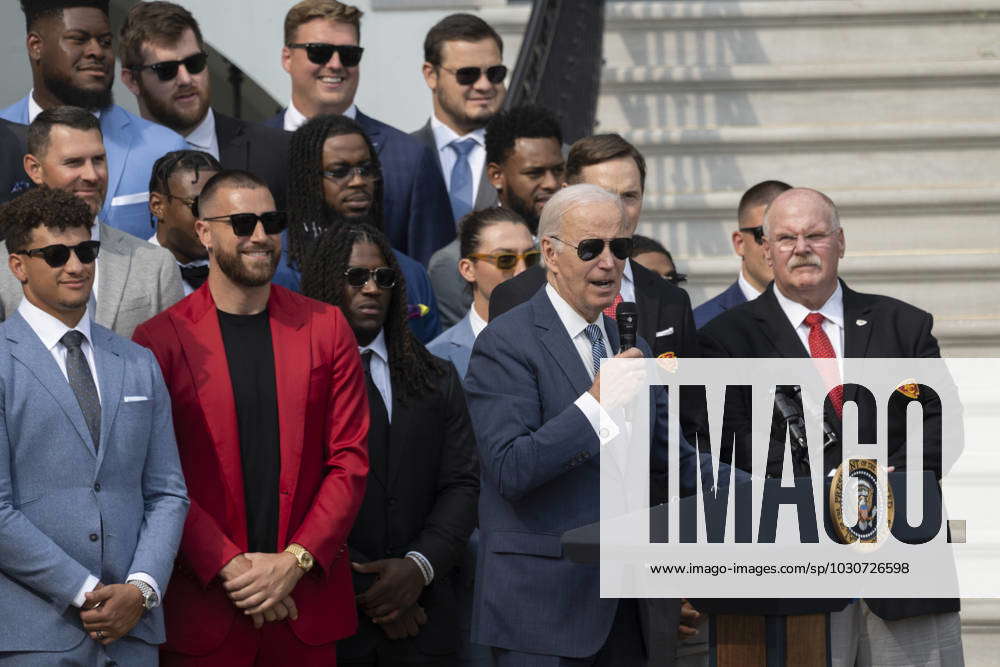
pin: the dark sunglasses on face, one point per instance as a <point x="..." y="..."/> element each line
<point x="168" y="69"/>
<point x="384" y="277"/>
<point x="343" y="172"/>
<point x="244" y="224"/>
<point x="758" y="233"/>
<point x="466" y="76"/>
<point x="57" y="255"/>
<point x="505" y="261"/>
<point x="319" y="53"/>
<point x="676" y="278"/>
<point x="589" y="249"/>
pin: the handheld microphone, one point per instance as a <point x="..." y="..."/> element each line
<point x="628" y="318"/>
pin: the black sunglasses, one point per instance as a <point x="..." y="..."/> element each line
<point x="466" y="76"/>
<point x="319" y="53"/>
<point x="167" y="70"/>
<point x="758" y="233"/>
<point x="384" y="277"/>
<point x="244" y="224"/>
<point x="676" y="278"/>
<point x="589" y="249"/>
<point x="58" y="254"/>
<point x="343" y="172"/>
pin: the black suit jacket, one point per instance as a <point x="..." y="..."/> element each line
<point x="421" y="496"/>
<point x="256" y="148"/>
<point x="663" y="308"/>
<point x="13" y="180"/>
<point x="889" y="328"/>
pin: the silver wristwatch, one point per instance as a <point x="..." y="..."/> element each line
<point x="149" y="598"/>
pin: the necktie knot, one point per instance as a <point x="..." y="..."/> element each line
<point x="814" y="320"/>
<point x="462" y="147"/>
<point x="593" y="333"/>
<point x="72" y="339"/>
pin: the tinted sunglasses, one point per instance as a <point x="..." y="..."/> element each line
<point x="343" y="172"/>
<point x="384" y="277"/>
<point x="57" y="255"/>
<point x="244" y="224"/>
<point x="168" y="69"/>
<point x="466" y="76"/>
<point x="676" y="278"/>
<point x="505" y="261"/>
<point x="758" y="233"/>
<point x="589" y="249"/>
<point x="319" y="53"/>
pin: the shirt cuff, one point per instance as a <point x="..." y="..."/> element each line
<point x="425" y="566"/>
<point x="602" y="423"/>
<point x="88" y="586"/>
<point x="142" y="576"/>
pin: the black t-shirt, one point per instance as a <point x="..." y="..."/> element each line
<point x="250" y="353"/>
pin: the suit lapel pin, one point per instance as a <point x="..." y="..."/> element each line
<point x="861" y="323"/>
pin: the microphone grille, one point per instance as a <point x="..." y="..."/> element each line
<point x="626" y="308"/>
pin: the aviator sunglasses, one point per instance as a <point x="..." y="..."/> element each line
<point x="319" y="53"/>
<point x="589" y="249"/>
<point x="58" y="254"/>
<point x="384" y="277"/>
<point x="245" y="223"/>
<point x="466" y="76"/>
<point x="168" y="69"/>
<point x="505" y="261"/>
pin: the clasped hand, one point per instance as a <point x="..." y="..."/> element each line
<point x="110" y="612"/>
<point x="260" y="585"/>
<point x="396" y="589"/>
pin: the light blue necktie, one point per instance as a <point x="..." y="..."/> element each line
<point x="460" y="191"/>
<point x="597" y="349"/>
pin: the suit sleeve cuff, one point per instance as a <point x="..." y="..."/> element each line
<point x="87" y="587"/>
<point x="602" y="423"/>
<point x="425" y="566"/>
<point x="146" y="578"/>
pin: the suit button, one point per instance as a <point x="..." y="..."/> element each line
<point x="94" y="537"/>
<point x="97" y="487"/>
<point x="603" y="433"/>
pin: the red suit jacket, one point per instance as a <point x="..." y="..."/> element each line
<point x="323" y="426"/>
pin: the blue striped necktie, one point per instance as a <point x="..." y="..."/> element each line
<point x="597" y="349"/>
<point x="460" y="188"/>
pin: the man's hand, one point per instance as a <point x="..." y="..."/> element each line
<point x="620" y="392"/>
<point x="282" y="610"/>
<point x="407" y="624"/>
<point x="397" y="587"/>
<point x="269" y="580"/>
<point x="690" y="617"/>
<point x="234" y="568"/>
<point x="110" y="612"/>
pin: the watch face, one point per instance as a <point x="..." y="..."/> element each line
<point x="307" y="560"/>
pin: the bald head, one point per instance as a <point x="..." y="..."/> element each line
<point x="803" y="201"/>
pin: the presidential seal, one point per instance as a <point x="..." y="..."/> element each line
<point x="862" y="474"/>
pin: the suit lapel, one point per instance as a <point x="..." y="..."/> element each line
<point x="781" y="333"/>
<point x="111" y="377"/>
<point x="647" y="302"/>
<point x="556" y="341"/>
<point x="114" y="266"/>
<point x="372" y="129"/>
<point x="118" y="142"/>
<point x="234" y="148"/>
<point x="857" y="327"/>
<point x="486" y="195"/>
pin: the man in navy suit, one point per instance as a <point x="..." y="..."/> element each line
<point x="748" y="243"/>
<point x="73" y="64"/>
<point x="321" y="55"/>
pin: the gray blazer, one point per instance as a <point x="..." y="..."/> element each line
<point x="137" y="281"/>
<point x="68" y="509"/>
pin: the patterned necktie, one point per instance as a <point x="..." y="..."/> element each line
<point x="460" y="190"/>
<point x="597" y="349"/>
<point x="820" y="347"/>
<point x="611" y="311"/>
<point x="81" y="381"/>
<point x="195" y="276"/>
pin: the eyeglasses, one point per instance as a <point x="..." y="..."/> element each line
<point x="676" y="278"/>
<point x="358" y="276"/>
<point x="319" y="53"/>
<point x="57" y="255"/>
<point x="788" y="242"/>
<point x="167" y="70"/>
<point x="466" y="76"/>
<point x="758" y="233"/>
<point x="344" y="172"/>
<point x="505" y="261"/>
<point x="244" y="224"/>
<point x="589" y="249"/>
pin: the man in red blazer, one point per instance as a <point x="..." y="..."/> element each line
<point x="271" y="414"/>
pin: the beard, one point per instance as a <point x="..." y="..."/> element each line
<point x="232" y="265"/>
<point x="460" y="116"/>
<point x="70" y="94"/>
<point x="169" y="116"/>
<point x="334" y="220"/>
<point x="525" y="210"/>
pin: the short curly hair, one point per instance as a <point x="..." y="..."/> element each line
<point x="528" y="121"/>
<point x="55" y="209"/>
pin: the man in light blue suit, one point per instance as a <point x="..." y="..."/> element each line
<point x="72" y="64"/>
<point x="92" y="498"/>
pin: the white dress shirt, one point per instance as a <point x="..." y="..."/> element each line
<point x="34" y="109"/>
<point x="203" y="137"/>
<point x="294" y="119"/>
<point x="749" y="291"/>
<point x="95" y="235"/>
<point x="50" y="331"/>
<point x="833" y="318"/>
<point x="444" y="135"/>
<point x="198" y="262"/>
<point x="478" y="323"/>
<point x="627" y="288"/>
<point x="380" y="369"/>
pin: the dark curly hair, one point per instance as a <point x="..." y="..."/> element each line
<point x="529" y="121"/>
<point x="308" y="213"/>
<point x="414" y="371"/>
<point x="55" y="209"/>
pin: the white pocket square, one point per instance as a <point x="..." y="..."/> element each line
<point x="135" y="399"/>
<point x="665" y="332"/>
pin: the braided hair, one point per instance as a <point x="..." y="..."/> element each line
<point x="414" y="371"/>
<point x="308" y="213"/>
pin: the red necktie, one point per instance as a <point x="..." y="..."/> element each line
<point x="610" y="310"/>
<point x="821" y="348"/>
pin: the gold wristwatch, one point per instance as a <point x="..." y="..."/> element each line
<point x="302" y="555"/>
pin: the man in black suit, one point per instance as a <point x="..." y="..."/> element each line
<point x="809" y="312"/>
<point x="13" y="146"/>
<point x="421" y="501"/>
<point x="665" y="319"/>
<point x="164" y="64"/>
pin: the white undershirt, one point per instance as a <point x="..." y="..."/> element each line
<point x="478" y="323"/>
<point x="294" y="119"/>
<point x="749" y="291"/>
<point x="203" y="137"/>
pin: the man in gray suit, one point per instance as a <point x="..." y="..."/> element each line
<point x="92" y="498"/>
<point x="134" y="279"/>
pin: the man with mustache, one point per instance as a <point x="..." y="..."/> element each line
<point x="72" y="63"/>
<point x="274" y="492"/>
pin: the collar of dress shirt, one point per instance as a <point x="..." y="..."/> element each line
<point x="203" y="137"/>
<point x="572" y="320"/>
<point x="34" y="109"/>
<point x="95" y="230"/>
<point x="198" y="262"/>
<point x="378" y="347"/>
<point x="444" y="135"/>
<point x="749" y="291"/>
<point x="294" y="119"/>
<point x="832" y="310"/>
<point x="49" y="329"/>
<point x="478" y="323"/>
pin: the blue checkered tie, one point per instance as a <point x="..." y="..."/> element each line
<point x="597" y="349"/>
<point x="460" y="191"/>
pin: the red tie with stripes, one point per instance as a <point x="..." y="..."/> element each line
<point x="820" y="347"/>
<point x="610" y="310"/>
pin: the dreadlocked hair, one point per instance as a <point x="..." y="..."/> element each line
<point x="308" y="213"/>
<point x="413" y="370"/>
